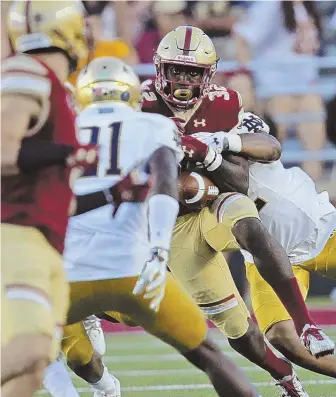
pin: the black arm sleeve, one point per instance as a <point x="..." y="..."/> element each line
<point x="35" y="155"/>
<point x="89" y="202"/>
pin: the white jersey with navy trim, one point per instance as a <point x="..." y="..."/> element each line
<point x="99" y="246"/>
<point x="289" y="206"/>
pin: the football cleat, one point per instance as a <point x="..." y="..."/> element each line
<point x="93" y="328"/>
<point x="291" y="386"/>
<point x="115" y="392"/>
<point x="316" y="341"/>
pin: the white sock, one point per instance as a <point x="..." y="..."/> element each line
<point x="107" y="383"/>
<point x="57" y="380"/>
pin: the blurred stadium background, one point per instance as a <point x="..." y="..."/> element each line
<point x="280" y="55"/>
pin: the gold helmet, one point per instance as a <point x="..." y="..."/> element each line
<point x="189" y="46"/>
<point x="37" y="25"/>
<point x="108" y="79"/>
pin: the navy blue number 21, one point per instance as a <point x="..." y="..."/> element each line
<point x="113" y="168"/>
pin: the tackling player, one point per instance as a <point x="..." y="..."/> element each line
<point x="304" y="222"/>
<point x="186" y="62"/>
<point x="107" y="258"/>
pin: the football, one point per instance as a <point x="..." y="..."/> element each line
<point x="196" y="190"/>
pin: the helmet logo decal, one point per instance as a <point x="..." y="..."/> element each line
<point x="187" y="40"/>
<point x="185" y="58"/>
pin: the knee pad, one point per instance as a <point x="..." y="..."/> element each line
<point x="232" y="322"/>
<point x="76" y="345"/>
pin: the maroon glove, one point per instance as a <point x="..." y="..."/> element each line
<point x="84" y="157"/>
<point x="81" y="161"/>
<point x="131" y="189"/>
<point x="194" y="150"/>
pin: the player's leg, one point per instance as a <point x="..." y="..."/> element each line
<point x="57" y="380"/>
<point x="86" y="362"/>
<point x="29" y="323"/>
<point x="325" y="262"/>
<point x="206" y="276"/>
<point x="179" y="323"/>
<point x="274" y="320"/>
<point x="238" y="214"/>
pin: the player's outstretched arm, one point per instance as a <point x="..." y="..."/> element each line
<point x="163" y="208"/>
<point x="273" y="265"/>
<point x="260" y="147"/>
<point x="131" y="189"/>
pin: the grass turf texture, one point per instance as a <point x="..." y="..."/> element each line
<point x="148" y="368"/>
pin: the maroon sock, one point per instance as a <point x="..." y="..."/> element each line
<point x="290" y="295"/>
<point x="278" y="367"/>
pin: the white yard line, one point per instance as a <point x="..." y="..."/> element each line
<point x="151" y="345"/>
<point x="169" y="372"/>
<point x="155" y="357"/>
<point x="197" y="386"/>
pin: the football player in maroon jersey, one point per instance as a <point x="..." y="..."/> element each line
<point x="185" y="63"/>
<point x="40" y="158"/>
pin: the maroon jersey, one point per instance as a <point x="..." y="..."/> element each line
<point x="42" y="198"/>
<point x="220" y="110"/>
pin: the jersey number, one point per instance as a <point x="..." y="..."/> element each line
<point x="113" y="168"/>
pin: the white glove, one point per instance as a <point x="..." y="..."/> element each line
<point x="218" y="141"/>
<point x="153" y="278"/>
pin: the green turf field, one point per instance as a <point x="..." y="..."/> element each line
<point x="148" y="368"/>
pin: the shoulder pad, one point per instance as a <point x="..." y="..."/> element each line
<point x="24" y="63"/>
<point x="22" y="74"/>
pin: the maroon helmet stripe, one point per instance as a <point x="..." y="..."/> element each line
<point x="28" y="5"/>
<point x="187" y="40"/>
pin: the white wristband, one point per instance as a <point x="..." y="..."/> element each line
<point x="216" y="163"/>
<point x="162" y="213"/>
<point x="235" y="143"/>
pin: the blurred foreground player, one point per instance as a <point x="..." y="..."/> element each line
<point x="107" y="257"/>
<point x="39" y="159"/>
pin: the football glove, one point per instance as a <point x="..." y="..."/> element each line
<point x="199" y="152"/>
<point x="152" y="280"/>
<point x="133" y="188"/>
<point x="85" y="157"/>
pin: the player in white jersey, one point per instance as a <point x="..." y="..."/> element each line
<point x="304" y="222"/>
<point x="118" y="263"/>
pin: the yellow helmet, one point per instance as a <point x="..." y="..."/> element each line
<point x="37" y="25"/>
<point x="108" y="79"/>
<point x="190" y="46"/>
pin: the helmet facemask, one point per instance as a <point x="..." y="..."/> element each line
<point x="182" y="94"/>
